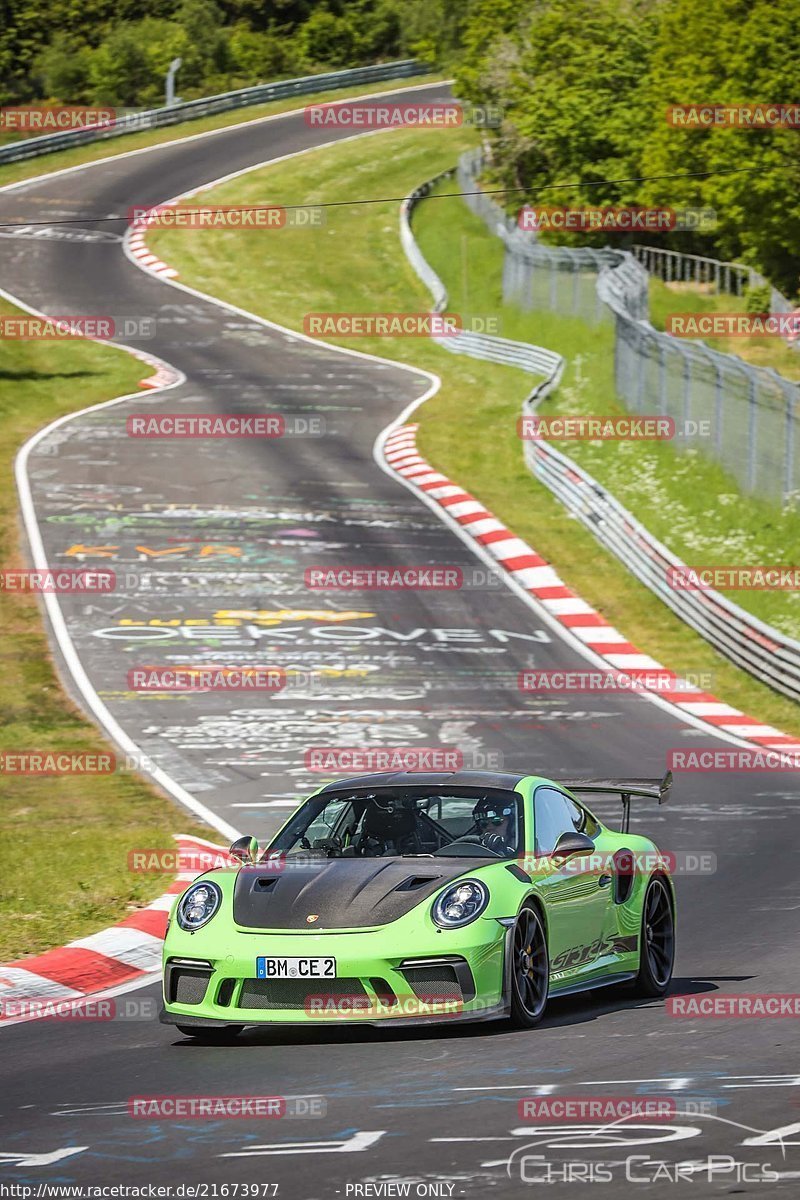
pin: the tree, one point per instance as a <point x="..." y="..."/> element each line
<point x="731" y="52"/>
<point x="570" y="76"/>
<point x="121" y="70"/>
<point x="62" y="70"/>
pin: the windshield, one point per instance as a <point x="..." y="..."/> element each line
<point x="384" y="822"/>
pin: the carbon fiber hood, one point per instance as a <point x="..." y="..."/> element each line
<point x="342" y="893"/>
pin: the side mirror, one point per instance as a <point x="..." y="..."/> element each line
<point x="245" y="850"/>
<point x="570" y="844"/>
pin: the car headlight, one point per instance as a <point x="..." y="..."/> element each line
<point x="460" y="903"/>
<point x="198" y="905"/>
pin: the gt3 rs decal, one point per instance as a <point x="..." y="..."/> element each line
<point x="579" y="956"/>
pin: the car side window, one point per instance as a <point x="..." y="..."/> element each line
<point x="554" y="814"/>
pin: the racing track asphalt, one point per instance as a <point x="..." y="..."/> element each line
<point x="440" y="670"/>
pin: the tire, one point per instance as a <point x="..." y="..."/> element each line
<point x="222" y="1035"/>
<point x="657" y="941"/>
<point x="530" y="969"/>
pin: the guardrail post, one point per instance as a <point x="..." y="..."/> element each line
<point x="752" y="397"/>
<point x="719" y="399"/>
<point x="169" y="85"/>
<point x="788" y="461"/>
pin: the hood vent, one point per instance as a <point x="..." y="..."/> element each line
<point x="415" y="881"/>
<point x="265" y="885"/>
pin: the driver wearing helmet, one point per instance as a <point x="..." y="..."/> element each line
<point x="495" y="821"/>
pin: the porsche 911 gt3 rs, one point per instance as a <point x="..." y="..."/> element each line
<point x="402" y="897"/>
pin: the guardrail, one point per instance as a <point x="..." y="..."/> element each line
<point x="745" y="416"/>
<point x="751" y="644"/>
<point x="534" y="359"/>
<point x="717" y="275"/>
<point x="260" y="93"/>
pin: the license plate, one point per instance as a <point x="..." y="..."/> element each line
<point x="296" y="968"/>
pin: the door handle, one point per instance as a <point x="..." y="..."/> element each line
<point x="604" y="881"/>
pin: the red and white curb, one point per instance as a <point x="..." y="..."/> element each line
<point x="537" y="577"/>
<point x="163" y="374"/>
<point x="139" y="249"/>
<point x="118" y="955"/>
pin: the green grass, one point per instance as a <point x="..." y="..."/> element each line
<point x="63" y="853"/>
<point x="668" y="298"/>
<point x="355" y="264"/>
<point x="666" y="489"/>
<point x="13" y="172"/>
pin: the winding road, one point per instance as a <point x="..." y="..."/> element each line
<point x="210" y="541"/>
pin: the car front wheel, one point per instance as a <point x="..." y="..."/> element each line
<point x="530" y="969"/>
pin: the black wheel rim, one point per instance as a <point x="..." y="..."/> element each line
<point x="659" y="935"/>
<point x="530" y="963"/>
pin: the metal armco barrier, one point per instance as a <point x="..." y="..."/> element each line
<point x="534" y="359"/>
<point x="751" y="412"/>
<point x="154" y="118"/>
<point x="756" y="647"/>
<point x="717" y="276"/>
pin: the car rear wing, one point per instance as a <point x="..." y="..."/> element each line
<point x="626" y="789"/>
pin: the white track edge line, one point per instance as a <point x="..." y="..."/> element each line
<point x="563" y="631"/>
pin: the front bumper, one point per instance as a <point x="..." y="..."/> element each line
<point x="457" y="976"/>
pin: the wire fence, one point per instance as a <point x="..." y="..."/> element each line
<point x="746" y="417"/>
<point x="756" y="647"/>
<point x="709" y="274"/>
<point x="751" y="644"/>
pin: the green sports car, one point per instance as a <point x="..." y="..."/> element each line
<point x="403" y="897"/>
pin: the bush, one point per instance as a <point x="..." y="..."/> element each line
<point x="63" y="69"/>
<point x="758" y="299"/>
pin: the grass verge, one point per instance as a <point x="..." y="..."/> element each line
<point x="468" y="430"/>
<point x="688" y="501"/>
<point x="669" y="298"/>
<point x="63" y="854"/>
<point x="14" y="172"/>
